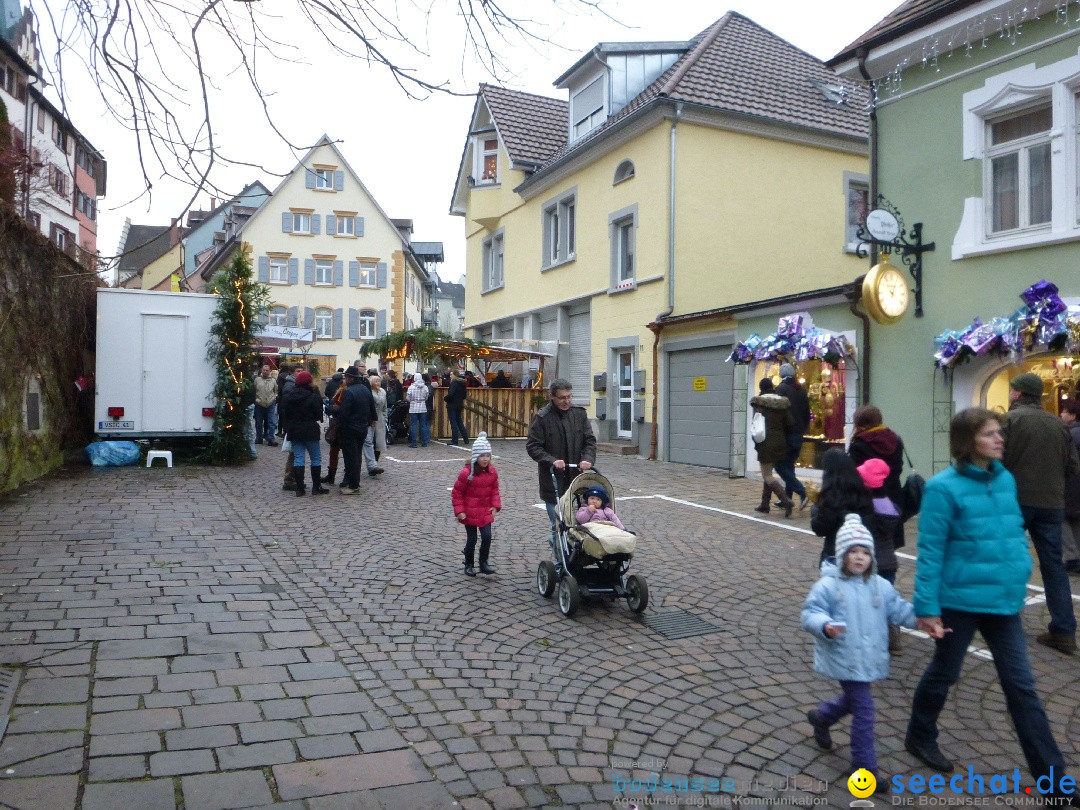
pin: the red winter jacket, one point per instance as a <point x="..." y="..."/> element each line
<point x="475" y="498"/>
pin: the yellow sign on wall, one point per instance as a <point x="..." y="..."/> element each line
<point x="699" y="383"/>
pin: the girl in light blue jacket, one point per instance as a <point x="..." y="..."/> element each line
<point x="848" y="611"/>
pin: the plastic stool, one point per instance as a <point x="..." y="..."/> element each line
<point x="152" y="454"/>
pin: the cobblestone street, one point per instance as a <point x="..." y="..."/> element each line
<point x="196" y="638"/>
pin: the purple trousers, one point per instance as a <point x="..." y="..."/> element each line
<point x="857" y="701"/>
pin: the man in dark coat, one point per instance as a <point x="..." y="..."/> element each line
<point x="455" y="406"/>
<point x="560" y="434"/>
<point x="800" y="411"/>
<point x="286" y="381"/>
<point x="1039" y="453"/>
<point x="356" y="416"/>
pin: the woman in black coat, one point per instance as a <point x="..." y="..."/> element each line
<point x="303" y="405"/>
<point x="842" y="492"/>
<point x="873" y="440"/>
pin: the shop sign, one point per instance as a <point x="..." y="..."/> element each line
<point x="882" y="225"/>
<point x="699" y="383"/>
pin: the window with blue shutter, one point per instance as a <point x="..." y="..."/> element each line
<point x="294" y="272"/>
<point x="359" y="226"/>
<point x="286" y="222"/>
<point x="381" y="278"/>
<point x="354" y="324"/>
<point x="339" y="272"/>
<point x="339" y="180"/>
<point x="315" y="227"/>
<point x="264" y="269"/>
<point x="331" y="224"/>
<point x="291" y="318"/>
<point x="337" y="323"/>
<point x="380" y="323"/>
<point x="309" y="318"/>
<point x="354" y="274"/>
<point x="309" y="271"/>
<point x="309" y="178"/>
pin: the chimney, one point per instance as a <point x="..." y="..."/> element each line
<point x="174" y="232"/>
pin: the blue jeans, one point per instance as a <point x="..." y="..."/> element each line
<point x="457" y="425"/>
<point x="857" y="701"/>
<point x="368" y="450"/>
<point x="785" y="467"/>
<point x="314" y="451"/>
<point x="265" y="422"/>
<point x="1044" y="526"/>
<point x="420" y="429"/>
<point x="249" y="434"/>
<point x="1004" y="635"/>
<point x="553" y="516"/>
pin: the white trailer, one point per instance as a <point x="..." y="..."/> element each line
<point x="153" y="378"/>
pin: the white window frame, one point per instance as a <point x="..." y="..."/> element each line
<point x="281" y="265"/>
<point x="366" y="323"/>
<point x="369" y="274"/>
<point x="324" y="322"/>
<point x="345" y="225"/>
<point x="324" y="179"/>
<point x="324" y="272"/>
<point x="301" y="222"/>
<point x="1000" y="97"/>
<point x="493" y="261"/>
<point x="585" y="121"/>
<point x="622" y="234"/>
<point x="559" y="230"/>
<point x="482" y="150"/>
<point x="278" y="316"/>
<point x="854" y="182"/>
<point x="1022" y="150"/>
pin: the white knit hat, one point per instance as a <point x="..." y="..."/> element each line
<point x="480" y="447"/>
<point x="853" y="533"/>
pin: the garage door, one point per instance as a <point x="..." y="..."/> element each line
<point x="699" y="421"/>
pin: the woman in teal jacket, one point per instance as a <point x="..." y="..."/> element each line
<point x="971" y="574"/>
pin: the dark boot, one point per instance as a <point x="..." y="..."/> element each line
<point x="298" y="474"/>
<point x="763" y="507"/>
<point x="377" y="454"/>
<point x="289" y="483"/>
<point x="485" y="568"/>
<point x="316" y="487"/>
<point x="785" y="501"/>
<point x="331" y="472"/>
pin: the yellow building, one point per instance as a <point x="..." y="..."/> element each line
<point x="679" y="180"/>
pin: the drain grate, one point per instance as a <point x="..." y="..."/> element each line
<point x="679" y="624"/>
<point x="9" y="679"/>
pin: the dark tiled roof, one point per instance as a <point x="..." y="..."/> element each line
<point x="532" y="127"/>
<point x="144" y="243"/>
<point x="908" y="16"/>
<point x="455" y="291"/>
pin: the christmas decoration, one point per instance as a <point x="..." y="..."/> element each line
<point x="795" y="339"/>
<point x="231" y="348"/>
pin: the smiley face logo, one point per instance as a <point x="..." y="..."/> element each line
<point x="861" y="783"/>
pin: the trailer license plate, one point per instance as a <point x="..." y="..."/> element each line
<point x="116" y="425"/>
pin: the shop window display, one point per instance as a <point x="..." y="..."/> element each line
<point x="825" y="385"/>
<point x="1060" y="374"/>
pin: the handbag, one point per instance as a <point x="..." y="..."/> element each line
<point x="331" y="431"/>
<point x="331" y="409"/>
<point x="757" y="428"/>
<point x="912" y="492"/>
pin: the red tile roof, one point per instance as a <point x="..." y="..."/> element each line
<point x="531" y="127"/>
<point x="907" y="17"/>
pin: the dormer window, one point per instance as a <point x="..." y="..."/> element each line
<point x="487" y="160"/>
<point x="587" y="108"/>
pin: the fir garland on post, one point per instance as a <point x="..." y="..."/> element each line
<point x="242" y="304"/>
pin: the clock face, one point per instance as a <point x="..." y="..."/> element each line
<point x="892" y="293"/>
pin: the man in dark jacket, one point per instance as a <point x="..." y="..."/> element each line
<point x="356" y="416"/>
<point x="288" y="372"/>
<point x="800" y="410"/>
<point x="455" y="405"/>
<point x="560" y="435"/>
<point x="334" y="383"/>
<point x="1039" y="453"/>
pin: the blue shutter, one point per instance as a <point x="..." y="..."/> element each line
<point x="262" y="319"/>
<point x="380" y="323"/>
<point x="286" y="222"/>
<point x="309" y="178"/>
<point x="264" y="269"/>
<point x="337" y="323"/>
<point x="359" y="226"/>
<point x="339" y="180"/>
<point x="290" y="319"/>
<point x="315" y="224"/>
<point x="381" y="276"/>
<point x="331" y="225"/>
<point x="339" y="272"/>
<point x="294" y="272"/>
<point x="309" y="271"/>
<point x="354" y="274"/>
<point x="354" y="324"/>
<point x="309" y="318"/>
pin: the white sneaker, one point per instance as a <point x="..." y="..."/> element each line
<point x="350" y="491"/>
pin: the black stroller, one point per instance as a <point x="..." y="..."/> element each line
<point x="591" y="558"/>
<point x="397" y="422"/>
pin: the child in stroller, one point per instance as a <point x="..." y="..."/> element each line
<point x="397" y="421"/>
<point x="596" y="508"/>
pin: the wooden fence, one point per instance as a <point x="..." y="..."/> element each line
<point x="503" y="413"/>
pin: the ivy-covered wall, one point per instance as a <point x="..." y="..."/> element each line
<point x="47" y="327"/>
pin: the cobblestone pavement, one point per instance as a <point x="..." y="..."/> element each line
<point x="195" y="638"/>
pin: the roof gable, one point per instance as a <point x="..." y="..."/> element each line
<point x="531" y="127"/>
<point x="909" y="16"/>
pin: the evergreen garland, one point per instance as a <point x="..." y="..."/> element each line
<point x="242" y="304"/>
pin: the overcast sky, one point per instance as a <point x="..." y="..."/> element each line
<point x="407" y="151"/>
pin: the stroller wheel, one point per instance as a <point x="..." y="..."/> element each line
<point x="637" y="593"/>
<point x="569" y="595"/>
<point x="546" y="578"/>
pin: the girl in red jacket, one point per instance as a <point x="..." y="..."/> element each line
<point x="476" y="500"/>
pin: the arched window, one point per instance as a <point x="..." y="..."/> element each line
<point x="624" y="171"/>
<point x="278" y="316"/>
<point x="367" y="323"/>
<point x="324" y="322"/>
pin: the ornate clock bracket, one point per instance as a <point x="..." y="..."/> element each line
<point x="910" y="246"/>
